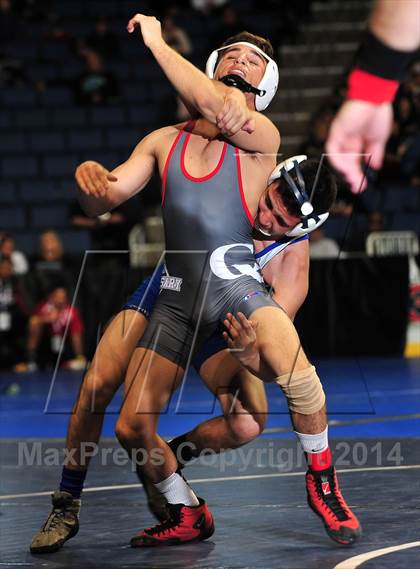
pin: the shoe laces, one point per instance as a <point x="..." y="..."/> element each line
<point x="54" y="518"/>
<point x="175" y="519"/>
<point x="333" y="501"/>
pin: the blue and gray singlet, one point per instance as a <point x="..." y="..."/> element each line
<point x="210" y="268"/>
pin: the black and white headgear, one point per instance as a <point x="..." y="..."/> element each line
<point x="309" y="219"/>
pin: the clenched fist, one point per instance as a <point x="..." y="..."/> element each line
<point x="150" y="29"/>
<point x="235" y="115"/>
<point x="93" y="179"/>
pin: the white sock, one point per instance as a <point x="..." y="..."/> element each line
<point x="313" y="443"/>
<point x="177" y="491"/>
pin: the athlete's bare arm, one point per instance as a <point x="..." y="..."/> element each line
<point x="396" y="23"/>
<point x="207" y="96"/>
<point x="288" y="274"/>
<point x="361" y="126"/>
<point x="101" y="190"/>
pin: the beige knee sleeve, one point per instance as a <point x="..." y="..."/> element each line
<point x="303" y="390"/>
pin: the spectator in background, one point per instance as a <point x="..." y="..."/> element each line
<point x="18" y="259"/>
<point x="51" y="265"/>
<point x="175" y="36"/>
<point x="95" y="86"/>
<point x="321" y="247"/>
<point x="109" y="232"/>
<point x="47" y="326"/>
<point x="12" y="316"/>
<point x="103" y="41"/>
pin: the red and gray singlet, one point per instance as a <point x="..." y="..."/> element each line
<point x="210" y="268"/>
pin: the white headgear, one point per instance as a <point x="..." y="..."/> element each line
<point x="310" y="220"/>
<point x="268" y="84"/>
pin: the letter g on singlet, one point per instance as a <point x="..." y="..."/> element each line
<point x="222" y="269"/>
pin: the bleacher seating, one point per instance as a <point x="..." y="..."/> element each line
<point x="402" y="199"/>
<point x="54" y="216"/>
<point x="47" y="141"/>
<point x="12" y="142"/>
<point x="7" y="193"/>
<point x="37" y="191"/>
<point x="85" y="139"/>
<point x="21" y="97"/>
<point x="12" y="217"/>
<point x="30" y="119"/>
<point x="20" y="167"/>
<point x="55" y="97"/>
<point x="69" y="117"/>
<point x="107" y="116"/>
<point x="76" y="240"/>
<point x="62" y="165"/>
<point x="406" y="221"/>
<point x="44" y="135"/>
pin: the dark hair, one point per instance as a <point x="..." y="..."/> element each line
<point x="263" y="43"/>
<point x="320" y="185"/>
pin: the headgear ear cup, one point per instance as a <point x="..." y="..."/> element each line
<point x="310" y="220"/>
<point x="308" y="224"/>
<point x="268" y="84"/>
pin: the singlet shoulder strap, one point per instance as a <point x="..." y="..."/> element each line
<point x="188" y="126"/>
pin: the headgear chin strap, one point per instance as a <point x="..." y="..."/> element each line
<point x="265" y="91"/>
<point x="241" y="84"/>
<point x="310" y="220"/>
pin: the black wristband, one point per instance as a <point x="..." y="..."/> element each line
<point x="377" y="58"/>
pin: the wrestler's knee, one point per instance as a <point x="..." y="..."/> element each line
<point x="98" y="388"/>
<point x="245" y="427"/>
<point x="303" y="390"/>
<point x="131" y="431"/>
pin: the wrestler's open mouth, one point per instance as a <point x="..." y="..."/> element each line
<point x="261" y="230"/>
<point x="236" y="71"/>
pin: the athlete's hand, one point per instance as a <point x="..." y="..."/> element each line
<point x="235" y="115"/>
<point x="241" y="338"/>
<point x="93" y="179"/>
<point x="361" y="130"/>
<point x="150" y="29"/>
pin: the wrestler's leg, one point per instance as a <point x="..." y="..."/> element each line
<point x="244" y="404"/>
<point x="150" y="381"/>
<point x="100" y="383"/>
<point x="281" y="354"/>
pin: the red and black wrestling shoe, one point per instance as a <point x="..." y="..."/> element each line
<point x="185" y="524"/>
<point x="326" y="500"/>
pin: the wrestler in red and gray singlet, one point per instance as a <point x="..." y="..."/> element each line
<point x="209" y="262"/>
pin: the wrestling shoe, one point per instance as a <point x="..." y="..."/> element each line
<point x="185" y="524"/>
<point x="61" y="525"/>
<point x="156" y="502"/>
<point x="326" y="500"/>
